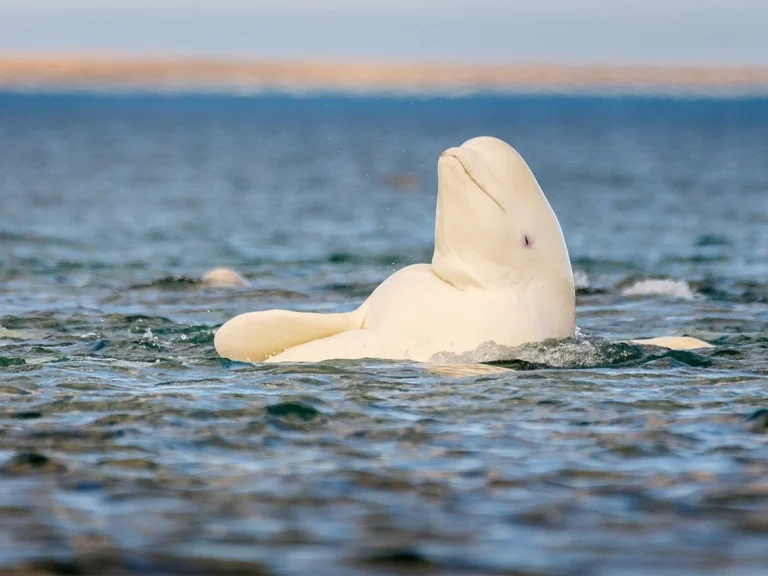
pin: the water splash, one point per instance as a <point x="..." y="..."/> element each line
<point x="580" y="280"/>
<point x="659" y="287"/>
<point x="582" y="351"/>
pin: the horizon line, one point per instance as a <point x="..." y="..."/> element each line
<point x="118" y="72"/>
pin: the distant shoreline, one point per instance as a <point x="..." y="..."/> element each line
<point x="119" y="74"/>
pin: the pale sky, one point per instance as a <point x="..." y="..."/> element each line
<point x="645" y="31"/>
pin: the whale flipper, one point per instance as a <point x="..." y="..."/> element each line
<point x="257" y="336"/>
<point x="675" y="342"/>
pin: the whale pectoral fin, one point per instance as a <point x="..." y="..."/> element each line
<point x="675" y="342"/>
<point x="256" y="336"/>
<point x="465" y="370"/>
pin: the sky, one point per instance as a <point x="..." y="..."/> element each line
<point x="581" y="31"/>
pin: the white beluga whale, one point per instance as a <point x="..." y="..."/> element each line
<point x="500" y="272"/>
<point x="223" y="278"/>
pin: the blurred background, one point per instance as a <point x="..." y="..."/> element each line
<point x="296" y="141"/>
<point x="645" y="31"/>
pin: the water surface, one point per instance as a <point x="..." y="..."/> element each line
<point x="128" y="447"/>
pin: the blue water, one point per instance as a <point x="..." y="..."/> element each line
<point x="128" y="447"/>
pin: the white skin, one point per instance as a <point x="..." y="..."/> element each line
<point x="223" y="278"/>
<point x="500" y="272"/>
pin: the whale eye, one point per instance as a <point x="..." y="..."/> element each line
<point x="528" y="241"/>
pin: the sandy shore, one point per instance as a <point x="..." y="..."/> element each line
<point x="165" y="74"/>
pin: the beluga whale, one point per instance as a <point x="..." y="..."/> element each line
<point x="500" y="273"/>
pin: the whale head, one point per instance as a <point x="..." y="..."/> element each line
<point x="494" y="226"/>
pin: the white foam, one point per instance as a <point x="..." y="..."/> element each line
<point x="580" y="279"/>
<point x="660" y="287"/>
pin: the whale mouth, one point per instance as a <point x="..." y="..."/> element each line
<point x="451" y="154"/>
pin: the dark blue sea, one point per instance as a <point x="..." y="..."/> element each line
<point x="127" y="446"/>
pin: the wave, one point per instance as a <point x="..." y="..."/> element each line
<point x="580" y="279"/>
<point x="168" y="283"/>
<point x="659" y="287"/>
<point x="582" y="351"/>
<point x="726" y="290"/>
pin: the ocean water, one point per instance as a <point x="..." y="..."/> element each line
<point x="128" y="447"/>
